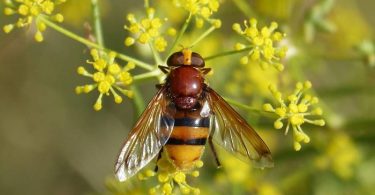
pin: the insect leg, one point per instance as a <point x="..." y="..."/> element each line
<point x="205" y="70"/>
<point x="157" y="160"/>
<point x="218" y="164"/>
<point x="164" y="69"/>
<point x="159" y="86"/>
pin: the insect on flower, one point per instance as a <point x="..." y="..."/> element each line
<point x="184" y="114"/>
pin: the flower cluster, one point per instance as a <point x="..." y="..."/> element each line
<point x="294" y="110"/>
<point x="168" y="176"/>
<point x="261" y="44"/>
<point x="341" y="155"/>
<point x="201" y="9"/>
<point x="250" y="80"/>
<point x="108" y="77"/>
<point x="147" y="31"/>
<point x="240" y="174"/>
<point x="30" y="10"/>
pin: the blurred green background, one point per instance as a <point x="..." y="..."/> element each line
<point x="53" y="142"/>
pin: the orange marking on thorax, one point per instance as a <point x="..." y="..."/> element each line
<point x="187" y="56"/>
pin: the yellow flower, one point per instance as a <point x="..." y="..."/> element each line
<point x="114" y="186"/>
<point x="109" y="77"/>
<point x="169" y="176"/>
<point x="30" y="10"/>
<point x="202" y="10"/>
<point x="147" y="31"/>
<point x="268" y="189"/>
<point x="294" y="110"/>
<point x="341" y="156"/>
<point x="261" y="44"/>
<point x="251" y="79"/>
<point x="238" y="173"/>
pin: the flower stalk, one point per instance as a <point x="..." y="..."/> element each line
<point x="97" y="22"/>
<point x="204" y="35"/>
<point x="227" y="53"/>
<point x="180" y="34"/>
<point x="84" y="41"/>
<point x="152" y="74"/>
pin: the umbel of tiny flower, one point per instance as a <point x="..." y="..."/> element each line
<point x="29" y="11"/>
<point x="294" y="110"/>
<point x="169" y="176"/>
<point x="202" y="10"/>
<point x="341" y="155"/>
<point x="261" y="43"/>
<point x="108" y="76"/>
<point x="147" y="30"/>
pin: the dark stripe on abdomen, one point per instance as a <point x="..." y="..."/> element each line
<point x="196" y="142"/>
<point x="190" y="122"/>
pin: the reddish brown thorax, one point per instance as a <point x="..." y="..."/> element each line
<point x="185" y="80"/>
<point x="186" y="85"/>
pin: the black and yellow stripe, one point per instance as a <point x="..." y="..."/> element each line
<point x="192" y="122"/>
<point x="188" y="138"/>
<point x="197" y="142"/>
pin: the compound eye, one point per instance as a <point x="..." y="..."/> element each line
<point x="176" y="59"/>
<point x="197" y="60"/>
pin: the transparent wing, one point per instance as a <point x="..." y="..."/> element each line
<point x="233" y="133"/>
<point x="147" y="138"/>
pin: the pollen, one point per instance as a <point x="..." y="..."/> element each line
<point x="108" y="77"/>
<point x="294" y="111"/>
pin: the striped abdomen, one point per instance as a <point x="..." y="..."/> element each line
<point x="188" y="138"/>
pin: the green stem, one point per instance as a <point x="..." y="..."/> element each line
<point x="156" y="55"/>
<point x="135" y="61"/>
<point x="97" y="22"/>
<point x="138" y="101"/>
<point x="227" y="53"/>
<point x="147" y="4"/>
<point x="241" y="105"/>
<point x="92" y="44"/>
<point x="152" y="74"/>
<point x="249" y="108"/>
<point x="203" y="35"/>
<point x="244" y="7"/>
<point x="70" y="34"/>
<point x="180" y="34"/>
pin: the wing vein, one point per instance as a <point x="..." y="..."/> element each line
<point x="145" y="139"/>
<point x="234" y="134"/>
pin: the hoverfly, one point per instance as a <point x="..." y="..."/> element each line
<point x="184" y="114"/>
